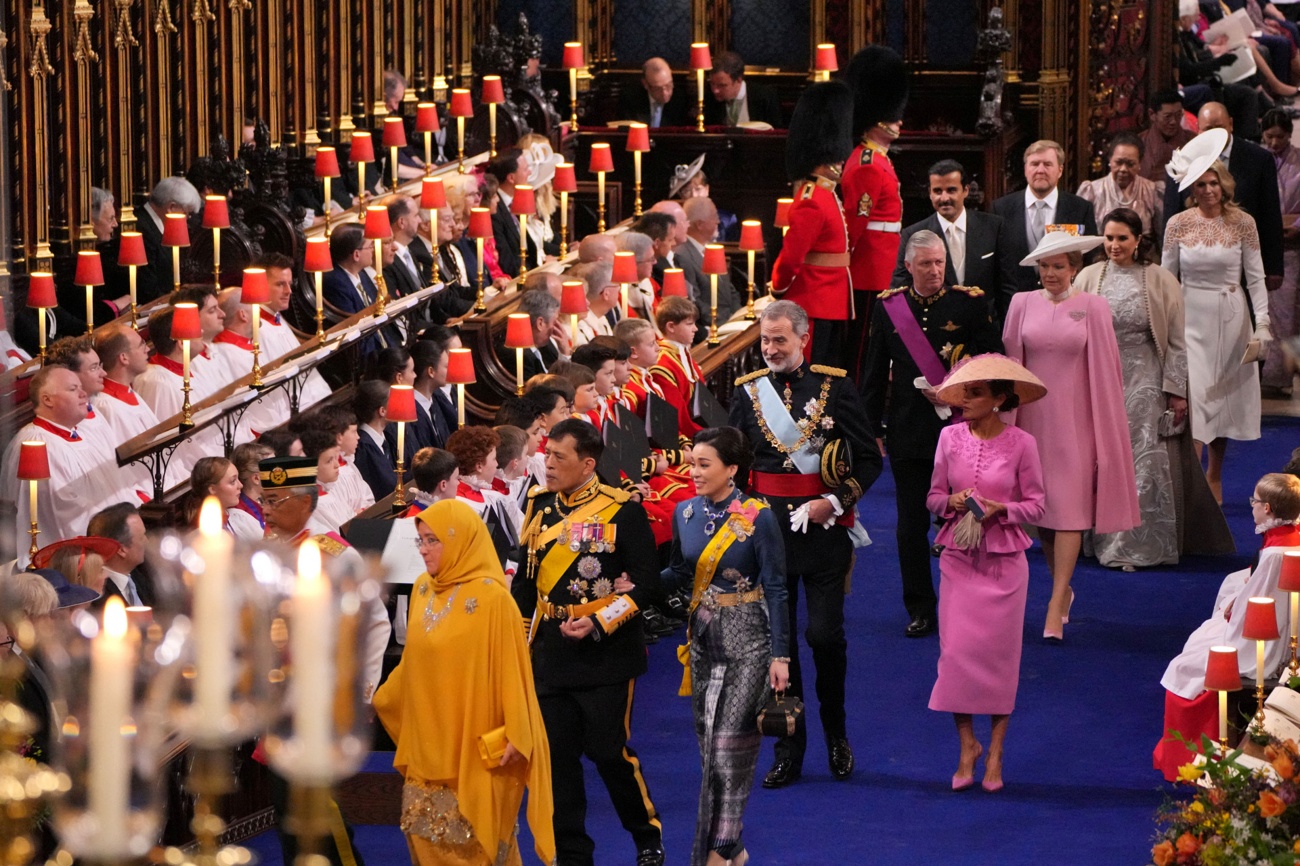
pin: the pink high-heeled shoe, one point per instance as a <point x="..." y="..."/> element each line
<point x="1065" y="620"/>
<point x="965" y="783"/>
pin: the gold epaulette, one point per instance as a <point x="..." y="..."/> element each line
<point x="749" y="377"/>
<point x="888" y="293"/>
<point x="825" y="182"/>
<point x="619" y="496"/>
<point x="537" y="490"/>
<point x="829" y="371"/>
<point x="806" y="191"/>
<point x="329" y="545"/>
<point x="867" y="155"/>
<point x="973" y="291"/>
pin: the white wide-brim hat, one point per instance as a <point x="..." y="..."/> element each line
<point x="1056" y="242"/>
<point x="990" y="368"/>
<point x="682" y="175"/>
<point x="1194" y="159"/>
<point x="541" y="164"/>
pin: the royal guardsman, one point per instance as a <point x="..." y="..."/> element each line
<point x="814" y="457"/>
<point x="919" y="331"/>
<point x="588" y="566"/>
<point x="873" y="201"/>
<point x="813" y="267"/>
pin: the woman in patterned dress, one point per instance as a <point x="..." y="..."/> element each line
<point x="728" y="547"/>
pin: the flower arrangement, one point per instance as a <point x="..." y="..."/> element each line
<point x="1238" y="815"/>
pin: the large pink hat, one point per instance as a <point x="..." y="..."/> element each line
<point x="988" y="368"/>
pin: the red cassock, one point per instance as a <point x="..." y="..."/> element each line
<point x="874" y="214"/>
<point x="812" y="269"/>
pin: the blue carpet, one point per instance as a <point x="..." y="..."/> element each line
<point x="1080" y="787"/>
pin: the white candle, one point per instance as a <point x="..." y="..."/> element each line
<point x="185" y="359"/>
<point x="257" y="319"/>
<point x="176" y="268"/>
<point x="519" y="370"/>
<point x="1223" y="719"/>
<point x="40" y="318"/>
<point x="214" y="626"/>
<point x="713" y="291"/>
<point x="109" y="783"/>
<point x="90" y="309"/>
<point x="320" y="295"/>
<point x="311" y="656"/>
<point x="460" y="405"/>
<point x="636" y="166"/>
<point x="34" y="504"/>
<point x="132" y="270"/>
<point x="328" y="197"/>
<point x="622" y="295"/>
<point x="600" y="187"/>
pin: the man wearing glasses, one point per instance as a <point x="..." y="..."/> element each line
<point x="1165" y="134"/>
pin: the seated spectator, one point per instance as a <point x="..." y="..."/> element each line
<point x="602" y="300"/>
<point x="543" y="245"/>
<point x="218" y="477"/>
<point x="654" y="100"/>
<point x="732" y="99"/>
<point x="332" y="511"/>
<point x="436" y="476"/>
<point x="277" y="336"/>
<point x="544" y="315"/>
<point x="643" y="296"/>
<point x="350" y="287"/>
<point x="1198" y="64"/>
<point x="375" y="461"/>
<point x="246" y="458"/>
<point x="285" y="443"/>
<point x="123" y="354"/>
<point x="122" y="575"/>
<point x="342" y="422"/>
<point x="80" y="560"/>
<point x="475" y="449"/>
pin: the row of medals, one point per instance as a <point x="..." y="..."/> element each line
<point x="592" y="537"/>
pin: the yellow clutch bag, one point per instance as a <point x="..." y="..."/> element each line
<point x="492" y="747"/>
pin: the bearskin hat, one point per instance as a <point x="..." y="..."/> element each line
<point x="819" y="130"/>
<point x="879" y="79"/>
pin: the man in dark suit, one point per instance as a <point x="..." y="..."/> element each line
<point x="982" y="258"/>
<point x="1027" y="214"/>
<point x="1255" y="172"/>
<point x="170" y="195"/>
<point x="122" y="523"/>
<point x="349" y="287"/>
<point x="656" y="102"/>
<point x="373" y="459"/>
<point x="732" y="99"/>
<point x="431" y="360"/>
<point x="702" y="229"/>
<point x="543" y="311"/>
<point x="404" y="217"/>
<point x="510" y="169"/>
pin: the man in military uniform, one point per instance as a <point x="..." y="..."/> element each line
<point x="588" y="566"/>
<point x="872" y="200"/>
<point x="814" y="457"/>
<point x="922" y="331"/>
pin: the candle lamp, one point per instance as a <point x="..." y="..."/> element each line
<point x="90" y="273"/>
<point x="41" y="297"/>
<point x="751" y="241"/>
<point x="601" y="161"/>
<point x="176" y="234"/>
<point x="519" y="336"/>
<point x="782" y="220"/>
<point x="363" y="151"/>
<point x="825" y="62"/>
<point x="572" y="60"/>
<point x="433" y="197"/>
<point x="638" y="142"/>
<point x="460" y="372"/>
<point x="317" y="261"/>
<point x="564" y="183"/>
<point x="674" y="282"/>
<point x="493" y="95"/>
<point x="701" y="62"/>
<point x="131" y="255"/>
<point x="624" y="274"/>
<point x="715" y="265"/>
<point x="1260" y="625"/>
<point x="379" y="229"/>
<point x="461" y="108"/>
<point x="480" y="229"/>
<point x="255" y="292"/>
<point x="185" y="328"/>
<point x="401" y="410"/>
<point x="327" y="168"/>
<point x="33" y="467"/>
<point x="394" y="138"/>
<point x="523" y="206"/>
<point x="427" y="124"/>
<point x="216" y="216"/>
<point x="573" y="303"/>
<point x="1222" y="675"/>
<point x="1289" y="582"/>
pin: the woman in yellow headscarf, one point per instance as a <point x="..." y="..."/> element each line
<point x="469" y="733"/>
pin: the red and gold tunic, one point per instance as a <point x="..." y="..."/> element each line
<point x="874" y="215"/>
<point x="812" y="269"/>
<point x="675" y="372"/>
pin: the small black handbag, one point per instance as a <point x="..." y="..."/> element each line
<point x="779" y="715"/>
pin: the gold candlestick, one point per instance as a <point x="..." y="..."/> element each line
<point x="460" y="143"/>
<point x="320" y="304"/>
<point x="216" y="259"/>
<point x="492" y="130"/>
<point x="257" y="367"/>
<point x="187" y="416"/>
<point x="714" y="339"/>
<point x="327" y="205"/>
<point x="636" y="187"/>
<point x="399" y="495"/>
<point x="134" y="323"/>
<point x="433" y="241"/>
<point x="564" y="224"/>
<point x="523" y="247"/>
<point x="361" y="190"/>
<point x="600" y="197"/>
<point x="34" y="530"/>
<point x="573" y="100"/>
<point x="749" y="309"/>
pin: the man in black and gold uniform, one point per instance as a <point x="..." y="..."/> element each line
<point x="588" y="566"/>
<point x="922" y="330"/>
<point x="814" y="457"/>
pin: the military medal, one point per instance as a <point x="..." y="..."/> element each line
<point x="575" y="537"/>
<point x="600" y="537"/>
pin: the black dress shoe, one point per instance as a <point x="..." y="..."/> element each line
<point x="921" y="626"/>
<point x="784" y="772"/>
<point x="841" y="758"/>
<point x="650" y="857"/>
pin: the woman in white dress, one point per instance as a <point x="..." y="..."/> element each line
<point x="1208" y="247"/>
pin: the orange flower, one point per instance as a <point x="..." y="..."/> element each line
<point x="1163" y="854"/>
<point x="1284" y="766"/>
<point x="1187" y="844"/>
<point x="1271" y="805"/>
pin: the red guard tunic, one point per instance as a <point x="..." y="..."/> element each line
<point x="874" y="215"/>
<point x="675" y="372"/>
<point x="812" y="269"/>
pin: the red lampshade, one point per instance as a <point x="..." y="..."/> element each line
<point x="377" y="225"/>
<point x="700" y="57"/>
<point x="519" y="331"/>
<point x="394" y="132"/>
<point x="1261" y="619"/>
<point x="573" y="298"/>
<point x="327" y="162"/>
<point x="131" y="252"/>
<point x="40" y="290"/>
<point x="493" y="92"/>
<point x="90" y="269"/>
<point x="638" y="137"/>
<point x="176" y="231"/>
<point x="254" y="289"/>
<point x="826" y="60"/>
<point x="33" y="462"/>
<point x="715" y="259"/>
<point x="460" y="367"/>
<point x="461" y="104"/>
<point x="216" y="212"/>
<point x="1289" y="579"/>
<point x="564" y="180"/>
<point x="601" y="158"/>
<point x="433" y="194"/>
<point x="674" y="282"/>
<point x="401" y="403"/>
<point x="783" y="213"/>
<point x="1221" y="671"/>
<point x="363" y="147"/>
<point x="480" y="223"/>
<point x="751" y="235"/>
<point x="573" y="56"/>
<point x="524" y="202"/>
<point x="625" y="267"/>
<point x="185" y="322"/>
<point x="426" y="117"/>
<point x="317" y="258"/>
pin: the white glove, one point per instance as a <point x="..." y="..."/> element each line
<point x="799" y="519"/>
<point x="1262" y="333"/>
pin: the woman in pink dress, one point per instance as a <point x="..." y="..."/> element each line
<point x="983" y="573"/>
<point x="1067" y="339"/>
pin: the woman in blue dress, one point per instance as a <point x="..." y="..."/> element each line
<point x="728" y="548"/>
